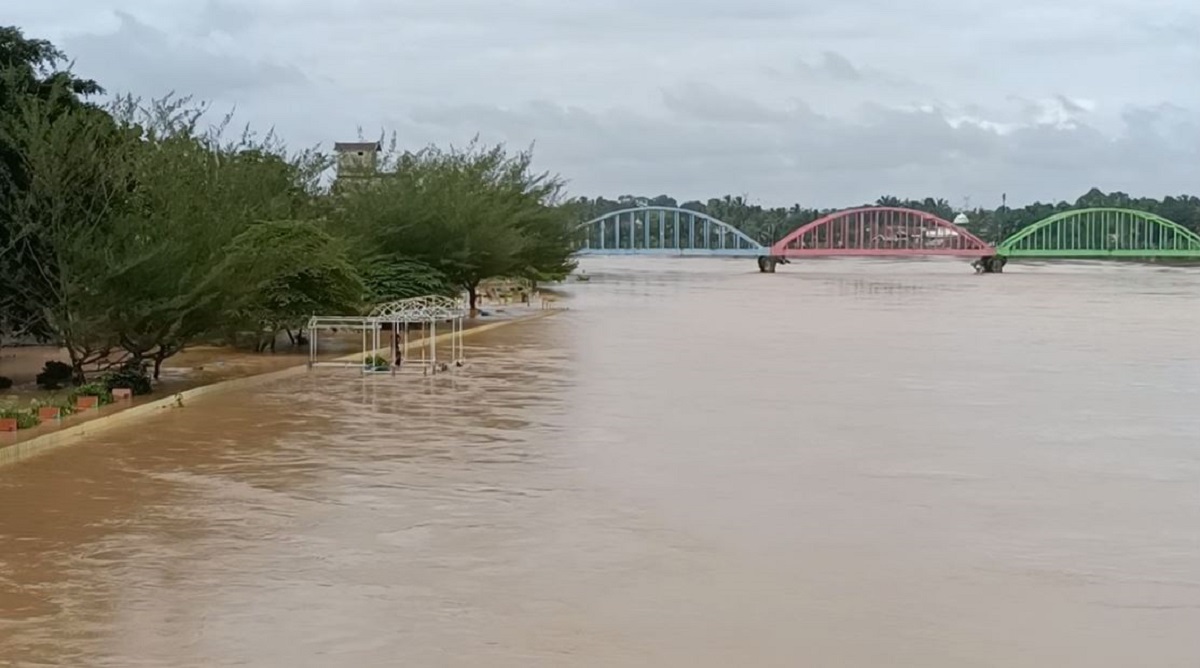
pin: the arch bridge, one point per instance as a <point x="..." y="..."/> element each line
<point x="661" y="230"/>
<point x="1102" y="232"/>
<point x="880" y="231"/>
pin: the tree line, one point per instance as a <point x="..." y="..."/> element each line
<point x="769" y="224"/>
<point x="130" y="230"/>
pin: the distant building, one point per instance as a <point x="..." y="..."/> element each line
<point x="357" y="159"/>
<point x="357" y="164"/>
<point x="961" y="219"/>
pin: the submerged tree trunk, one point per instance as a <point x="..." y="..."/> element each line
<point x="473" y="298"/>
<point x="81" y="356"/>
<point x="78" y="376"/>
<point x="161" y="355"/>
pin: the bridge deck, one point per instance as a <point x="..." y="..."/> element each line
<point x="676" y="252"/>
<point x="884" y="252"/>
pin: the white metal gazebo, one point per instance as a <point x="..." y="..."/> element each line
<point x="424" y="313"/>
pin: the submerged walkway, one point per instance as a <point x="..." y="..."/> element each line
<point x="205" y="370"/>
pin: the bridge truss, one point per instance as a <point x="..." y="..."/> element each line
<point x="1102" y="233"/>
<point x="880" y="231"/>
<point x="659" y="230"/>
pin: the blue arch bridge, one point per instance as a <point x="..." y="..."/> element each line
<point x="653" y="230"/>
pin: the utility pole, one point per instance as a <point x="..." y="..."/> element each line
<point x="1002" y="218"/>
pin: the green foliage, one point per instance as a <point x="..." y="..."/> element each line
<point x="131" y="375"/>
<point x="64" y="407"/>
<point x="471" y="214"/>
<point x="59" y="227"/>
<point x="30" y="72"/>
<point x="390" y="278"/>
<point x="55" y="375"/>
<point x="376" y="362"/>
<point x="281" y="272"/>
<point x="171" y="284"/>
<point x="96" y="389"/>
<point x="26" y="419"/>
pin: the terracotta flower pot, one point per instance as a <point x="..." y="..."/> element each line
<point x="122" y="394"/>
<point x="49" y="413"/>
<point x="8" y="424"/>
<point x="84" y="403"/>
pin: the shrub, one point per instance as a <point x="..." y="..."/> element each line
<point x="90" y="390"/>
<point x="132" y="375"/>
<point x="55" y="376"/>
<point x="25" y="419"/>
<point x="5" y="382"/>
<point x="64" y="407"/>
<point x="376" y="362"/>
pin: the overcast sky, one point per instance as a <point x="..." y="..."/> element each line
<point x="826" y="103"/>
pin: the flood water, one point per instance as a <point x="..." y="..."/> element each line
<point x="847" y="463"/>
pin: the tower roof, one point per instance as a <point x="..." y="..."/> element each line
<point x="357" y="146"/>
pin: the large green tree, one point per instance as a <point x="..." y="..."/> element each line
<point x="281" y="272"/>
<point x="195" y="196"/>
<point x="31" y="70"/>
<point x="472" y="214"/>
<point x="61" y="228"/>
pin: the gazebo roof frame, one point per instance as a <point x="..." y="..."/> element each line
<point x="340" y="322"/>
<point x="429" y="309"/>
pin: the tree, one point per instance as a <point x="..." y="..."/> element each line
<point x="195" y="195"/>
<point x="472" y="214"/>
<point x="548" y="253"/>
<point x="546" y="221"/>
<point x="76" y="169"/>
<point x="389" y="278"/>
<point x="280" y="273"/>
<point x="29" y="70"/>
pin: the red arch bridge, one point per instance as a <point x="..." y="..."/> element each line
<point x="881" y="231"/>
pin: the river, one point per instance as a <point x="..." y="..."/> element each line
<point x="847" y="463"/>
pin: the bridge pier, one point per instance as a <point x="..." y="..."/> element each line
<point x="767" y="263"/>
<point x="992" y="264"/>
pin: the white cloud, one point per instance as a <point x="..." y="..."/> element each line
<point x="787" y="100"/>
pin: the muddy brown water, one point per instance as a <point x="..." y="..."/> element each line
<point x="847" y="463"/>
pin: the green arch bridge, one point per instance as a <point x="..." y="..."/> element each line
<point x="1097" y="233"/>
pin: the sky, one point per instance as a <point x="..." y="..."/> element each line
<point x="827" y="104"/>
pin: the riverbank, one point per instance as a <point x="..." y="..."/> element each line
<point x="201" y="372"/>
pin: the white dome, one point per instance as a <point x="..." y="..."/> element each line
<point x="961" y="219"/>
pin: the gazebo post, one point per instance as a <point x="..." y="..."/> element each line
<point x="376" y="328"/>
<point x="461" y="353"/>
<point x="312" y="345"/>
